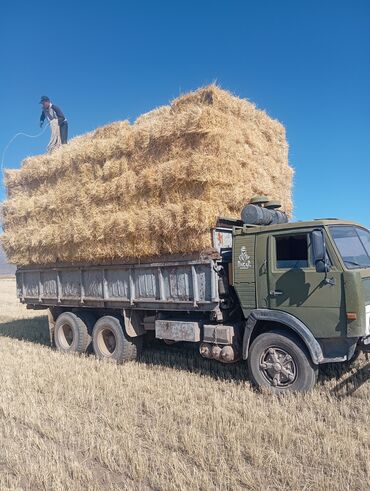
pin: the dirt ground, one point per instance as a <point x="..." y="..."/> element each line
<point x="170" y="421"/>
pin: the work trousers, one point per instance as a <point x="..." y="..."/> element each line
<point x="64" y="132"/>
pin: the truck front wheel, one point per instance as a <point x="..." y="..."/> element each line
<point x="71" y="333"/>
<point x="111" y="342"/>
<point x="278" y="360"/>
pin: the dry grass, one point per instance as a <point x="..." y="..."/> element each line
<point x="170" y="421"/>
<point x="150" y="188"/>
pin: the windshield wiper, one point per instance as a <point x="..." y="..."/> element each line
<point x="355" y="264"/>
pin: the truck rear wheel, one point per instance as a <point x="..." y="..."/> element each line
<point x="71" y="333"/>
<point x="111" y="342"/>
<point x="278" y="360"/>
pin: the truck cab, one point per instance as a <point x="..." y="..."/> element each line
<point x="307" y="282"/>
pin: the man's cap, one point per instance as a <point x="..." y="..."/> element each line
<point x="44" y="98"/>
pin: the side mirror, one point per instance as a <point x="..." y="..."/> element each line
<point x="319" y="251"/>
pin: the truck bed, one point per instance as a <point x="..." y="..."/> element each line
<point x="171" y="283"/>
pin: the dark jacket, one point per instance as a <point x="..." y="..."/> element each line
<point x="58" y="112"/>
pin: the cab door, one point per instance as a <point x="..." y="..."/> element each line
<point x="294" y="286"/>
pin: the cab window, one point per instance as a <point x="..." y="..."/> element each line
<point x="292" y="251"/>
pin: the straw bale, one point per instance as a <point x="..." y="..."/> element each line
<point x="149" y="188"/>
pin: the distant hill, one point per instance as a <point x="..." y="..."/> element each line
<point x="5" y="268"/>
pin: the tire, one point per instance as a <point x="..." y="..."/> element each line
<point x="71" y="334"/>
<point x="296" y="374"/>
<point x="89" y="317"/>
<point x="355" y="356"/>
<point x="111" y="342"/>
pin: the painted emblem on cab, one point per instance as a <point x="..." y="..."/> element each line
<point x="244" y="261"/>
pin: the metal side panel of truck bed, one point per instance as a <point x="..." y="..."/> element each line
<point x="168" y="285"/>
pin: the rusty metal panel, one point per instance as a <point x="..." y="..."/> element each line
<point x="93" y="285"/>
<point x="204" y="280"/>
<point x="70" y="282"/>
<point x="49" y="282"/>
<point x="177" y="283"/>
<point x="118" y="283"/>
<point x="146" y="284"/>
<point x="177" y="330"/>
<point x="31" y="284"/>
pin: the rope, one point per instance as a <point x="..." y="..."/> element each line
<point x="21" y="133"/>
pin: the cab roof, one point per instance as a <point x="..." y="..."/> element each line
<point x="321" y="222"/>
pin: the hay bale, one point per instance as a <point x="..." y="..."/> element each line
<point x="150" y="188"/>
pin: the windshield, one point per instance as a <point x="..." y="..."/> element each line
<point x="353" y="244"/>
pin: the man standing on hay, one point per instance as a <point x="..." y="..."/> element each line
<point x="57" y="121"/>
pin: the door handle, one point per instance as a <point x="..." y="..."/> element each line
<point x="276" y="293"/>
<point x="330" y="281"/>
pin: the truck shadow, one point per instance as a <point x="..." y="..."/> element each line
<point x="34" y="329"/>
<point x="349" y="377"/>
<point x="182" y="356"/>
<point x="185" y="356"/>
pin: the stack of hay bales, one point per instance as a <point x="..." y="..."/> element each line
<point x="154" y="187"/>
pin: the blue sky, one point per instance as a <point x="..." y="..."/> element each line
<point x="306" y="62"/>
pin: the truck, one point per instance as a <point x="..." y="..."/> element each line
<point x="282" y="298"/>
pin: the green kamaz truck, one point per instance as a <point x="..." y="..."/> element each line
<point x="281" y="297"/>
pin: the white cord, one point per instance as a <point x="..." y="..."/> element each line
<point x="14" y="137"/>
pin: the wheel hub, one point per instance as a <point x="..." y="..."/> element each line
<point x="65" y="336"/>
<point x="278" y="367"/>
<point x="107" y="341"/>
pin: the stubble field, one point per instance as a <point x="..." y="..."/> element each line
<point x="170" y="421"/>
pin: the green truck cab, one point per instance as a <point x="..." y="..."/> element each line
<point x="304" y="290"/>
